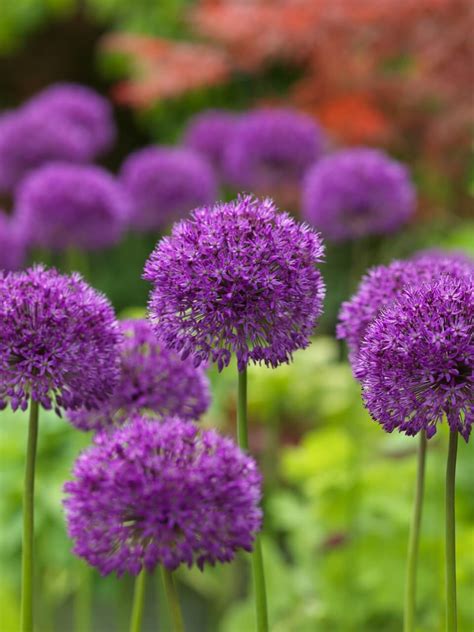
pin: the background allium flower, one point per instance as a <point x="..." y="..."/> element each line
<point x="166" y="494"/>
<point x="12" y="243"/>
<point x="271" y="147"/>
<point x="237" y="278"/>
<point x="357" y="192"/>
<point x="83" y="108"/>
<point x="63" y="206"/>
<point x="383" y="284"/>
<point x="165" y="183"/>
<point x="28" y="140"/>
<point x="58" y="341"/>
<point x="209" y="133"/>
<point x="416" y="363"/>
<point x="153" y="379"/>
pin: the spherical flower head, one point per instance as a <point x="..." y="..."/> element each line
<point x="165" y="183"/>
<point x="383" y="284"/>
<point x="153" y="380"/>
<point x="416" y="364"/>
<point x="83" y="108"/>
<point x="65" y="206"/>
<point x="166" y="494"/>
<point x="357" y="192"/>
<point x="28" y="140"/>
<point x="209" y="132"/>
<point x="239" y="278"/>
<point x="12" y="243"/>
<point x="271" y="148"/>
<point x="58" y="341"/>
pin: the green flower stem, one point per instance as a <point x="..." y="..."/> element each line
<point x="414" y="541"/>
<point x="451" y="610"/>
<point x="138" y="602"/>
<point x="83" y="599"/>
<point x="173" y="600"/>
<point x="257" y="559"/>
<point x="26" y="612"/>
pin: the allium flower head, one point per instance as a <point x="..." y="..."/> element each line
<point x="12" y="243"/>
<point x="383" y="284"/>
<point x="416" y="364"/>
<point x="28" y="140"/>
<point x="209" y="132"/>
<point x="272" y="147"/>
<point x="357" y="192"/>
<point x="153" y="380"/>
<point x="83" y="108"/>
<point x="63" y="206"/>
<point x="237" y="278"/>
<point x="165" y="183"/>
<point x="58" y="341"/>
<point x="166" y="494"/>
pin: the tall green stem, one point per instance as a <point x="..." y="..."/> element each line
<point x="257" y="559"/>
<point x="26" y="612"/>
<point x="138" y="602"/>
<point x="414" y="541"/>
<point x="451" y="610"/>
<point x="173" y="600"/>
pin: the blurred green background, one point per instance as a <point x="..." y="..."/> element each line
<point x="338" y="490"/>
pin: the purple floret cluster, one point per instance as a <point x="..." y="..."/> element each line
<point x="163" y="493"/>
<point x="153" y="381"/>
<point x="416" y="364"/>
<point x="65" y="206"/>
<point x="58" y="341"/>
<point x="357" y="192"/>
<point x="238" y="277"/>
<point x="209" y="133"/>
<point x="12" y="243"/>
<point x="383" y="284"/>
<point x="166" y="183"/>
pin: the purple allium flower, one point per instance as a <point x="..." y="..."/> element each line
<point x="83" y="108"/>
<point x="166" y="494"/>
<point x="237" y="278"/>
<point x="383" y="284"/>
<point x="165" y="183"/>
<point x="153" y="380"/>
<point x="12" y="243"/>
<point x="28" y="139"/>
<point x="58" y="341"/>
<point x="209" y="132"/>
<point x="62" y="205"/>
<point x="272" y="147"/>
<point x="357" y="192"/>
<point x="416" y="364"/>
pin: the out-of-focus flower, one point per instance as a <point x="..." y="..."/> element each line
<point x="165" y="183"/>
<point x="58" y="341"/>
<point x="83" y="108"/>
<point x="62" y="206"/>
<point x="416" y="364"/>
<point x="12" y="243"/>
<point x="237" y="278"/>
<point x="357" y="192"/>
<point x="164" y="493"/>
<point x="153" y="381"/>
<point x="209" y="133"/>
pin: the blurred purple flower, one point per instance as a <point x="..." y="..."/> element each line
<point x="81" y="107"/>
<point x="209" y="132"/>
<point x="62" y="206"/>
<point x="153" y="381"/>
<point x="237" y="278"/>
<point x="416" y="363"/>
<point x="165" y="183"/>
<point x="12" y="243"/>
<point x="166" y="494"/>
<point x="357" y="192"/>
<point x="272" y="147"/>
<point x="58" y="341"/>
